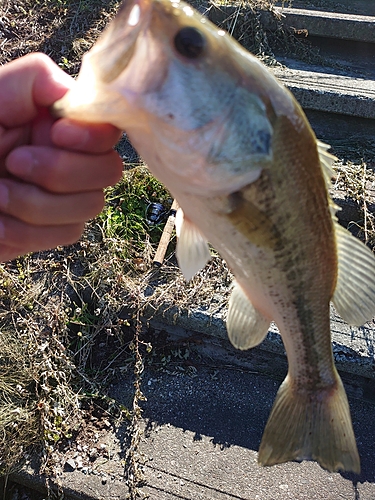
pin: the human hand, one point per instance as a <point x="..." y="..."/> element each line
<point x="52" y="173"/>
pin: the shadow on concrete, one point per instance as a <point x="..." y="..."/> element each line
<point x="232" y="408"/>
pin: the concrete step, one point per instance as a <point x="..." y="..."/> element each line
<point x="359" y="7"/>
<point x="343" y="39"/>
<point x="342" y="82"/>
<point x="335" y="127"/>
<point x="323" y="90"/>
<point x="315" y="22"/>
<point x="352" y="346"/>
<point x="330" y="24"/>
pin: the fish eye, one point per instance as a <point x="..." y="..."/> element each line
<point x="189" y="42"/>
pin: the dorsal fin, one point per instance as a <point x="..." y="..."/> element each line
<point x="326" y="161"/>
<point x="354" y="297"/>
<point x="192" y="249"/>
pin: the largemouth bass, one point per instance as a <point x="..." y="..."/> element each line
<point x="235" y="149"/>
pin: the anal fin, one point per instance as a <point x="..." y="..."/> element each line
<point x="311" y="424"/>
<point x="246" y="326"/>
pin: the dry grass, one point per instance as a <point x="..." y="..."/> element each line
<point x="357" y="181"/>
<point x="63" y="29"/>
<point x="36" y="370"/>
<point x="258" y="26"/>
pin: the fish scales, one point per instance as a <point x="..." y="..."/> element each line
<point x="235" y="149"/>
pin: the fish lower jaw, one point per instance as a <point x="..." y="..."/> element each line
<point x="73" y="106"/>
<point x="95" y="104"/>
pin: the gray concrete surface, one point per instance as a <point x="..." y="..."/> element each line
<point x="344" y="26"/>
<point x="345" y="82"/>
<point x="202" y="423"/>
<point x="359" y="7"/>
<point x="202" y="435"/>
<point x="330" y="24"/>
<point x="328" y="91"/>
<point x="351" y="129"/>
<point x="353" y="347"/>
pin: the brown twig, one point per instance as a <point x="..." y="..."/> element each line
<point x="166" y="236"/>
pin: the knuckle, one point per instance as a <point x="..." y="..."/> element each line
<point x="25" y="203"/>
<point x="52" y="174"/>
<point x="38" y="59"/>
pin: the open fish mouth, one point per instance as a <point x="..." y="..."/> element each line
<point x="114" y="49"/>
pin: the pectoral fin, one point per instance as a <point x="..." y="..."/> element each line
<point x="246" y="326"/>
<point x="354" y="297"/>
<point x="192" y="249"/>
<point x="249" y="220"/>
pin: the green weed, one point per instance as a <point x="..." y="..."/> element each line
<point x="126" y="213"/>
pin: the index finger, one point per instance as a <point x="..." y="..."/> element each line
<point x="84" y="137"/>
<point x="28" y="83"/>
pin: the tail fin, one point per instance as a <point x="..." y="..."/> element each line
<point x="310" y="425"/>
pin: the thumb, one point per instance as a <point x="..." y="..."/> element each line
<point x="28" y="83"/>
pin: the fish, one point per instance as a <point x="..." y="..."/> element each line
<point x="234" y="147"/>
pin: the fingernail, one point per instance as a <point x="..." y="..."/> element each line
<point x="20" y="162"/>
<point x="4" y="195"/>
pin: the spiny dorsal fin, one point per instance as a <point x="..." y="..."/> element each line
<point x="354" y="297"/>
<point x="192" y="249"/>
<point x="326" y="161"/>
<point x="246" y="326"/>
